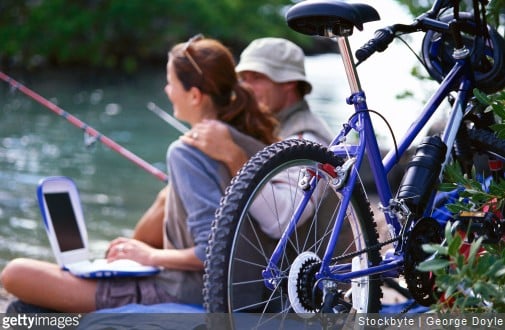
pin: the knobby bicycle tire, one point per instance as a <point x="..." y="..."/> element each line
<point x="485" y="141"/>
<point x="239" y="250"/>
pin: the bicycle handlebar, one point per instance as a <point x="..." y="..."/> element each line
<point x="427" y="21"/>
<point x="381" y="40"/>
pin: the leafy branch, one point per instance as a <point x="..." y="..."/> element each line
<point x="469" y="277"/>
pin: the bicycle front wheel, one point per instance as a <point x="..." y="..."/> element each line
<point x="252" y="217"/>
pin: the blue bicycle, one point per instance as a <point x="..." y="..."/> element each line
<point x="295" y="232"/>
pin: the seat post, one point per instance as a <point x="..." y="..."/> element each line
<point x="349" y="65"/>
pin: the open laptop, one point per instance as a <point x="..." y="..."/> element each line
<point x="64" y="222"/>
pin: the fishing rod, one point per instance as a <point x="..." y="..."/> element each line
<point x="167" y="117"/>
<point x="87" y="129"/>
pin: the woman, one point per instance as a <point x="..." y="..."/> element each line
<point x="202" y="85"/>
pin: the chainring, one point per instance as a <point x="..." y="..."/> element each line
<point x="421" y="284"/>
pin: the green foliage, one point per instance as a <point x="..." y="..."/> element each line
<point x="496" y="104"/>
<point x="476" y="282"/>
<point x="471" y="189"/>
<point x="118" y="33"/>
<point x="496" y="7"/>
<point x="472" y="195"/>
<point x="471" y="283"/>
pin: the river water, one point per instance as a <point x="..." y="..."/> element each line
<point x="36" y="143"/>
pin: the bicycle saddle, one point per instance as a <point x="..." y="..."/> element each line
<point x="317" y="17"/>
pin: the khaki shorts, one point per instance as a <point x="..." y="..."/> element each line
<point x="115" y="292"/>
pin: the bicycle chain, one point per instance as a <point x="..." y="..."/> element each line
<point x="371" y="248"/>
<point x="376" y="246"/>
<point x="368" y="249"/>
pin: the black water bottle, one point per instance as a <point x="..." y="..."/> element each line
<point x="422" y="174"/>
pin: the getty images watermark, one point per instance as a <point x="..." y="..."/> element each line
<point x="38" y="321"/>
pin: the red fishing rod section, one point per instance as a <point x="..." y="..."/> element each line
<point x="88" y="129"/>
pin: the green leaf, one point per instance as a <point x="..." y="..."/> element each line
<point x="474" y="248"/>
<point x="500" y="272"/>
<point x="456" y="208"/>
<point x="481" y="97"/>
<point x="460" y="261"/>
<point x="450" y="290"/>
<point x="500" y="111"/>
<point x="454" y="245"/>
<point x="447" y="186"/>
<point x="433" y="265"/>
<point x="434" y="248"/>
<point x="448" y="231"/>
<point x="485" y="268"/>
<point x="500" y="132"/>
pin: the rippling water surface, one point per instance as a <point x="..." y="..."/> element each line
<point x="36" y="143"/>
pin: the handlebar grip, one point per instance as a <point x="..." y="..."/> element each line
<point x="381" y="40"/>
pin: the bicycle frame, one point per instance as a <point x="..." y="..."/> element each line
<point x="367" y="144"/>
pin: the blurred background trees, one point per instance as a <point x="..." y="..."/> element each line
<point x="119" y="33"/>
<point x="123" y="33"/>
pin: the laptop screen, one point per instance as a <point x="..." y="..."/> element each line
<point x="64" y="221"/>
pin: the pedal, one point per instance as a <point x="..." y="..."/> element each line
<point x="480" y="224"/>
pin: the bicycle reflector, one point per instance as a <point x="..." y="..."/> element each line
<point x="487" y="54"/>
